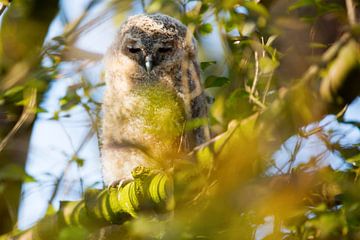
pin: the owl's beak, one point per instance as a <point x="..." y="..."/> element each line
<point x="148" y="63"/>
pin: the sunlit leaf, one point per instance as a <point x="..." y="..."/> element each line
<point x="268" y="65"/>
<point x="318" y="45"/>
<point x="205" y="28"/>
<point x="256" y="7"/>
<point x="73" y="233"/>
<point x="56" y="116"/>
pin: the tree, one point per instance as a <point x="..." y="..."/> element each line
<point x="287" y="65"/>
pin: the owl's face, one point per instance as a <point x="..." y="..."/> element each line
<point x="151" y="51"/>
<point x="153" y="44"/>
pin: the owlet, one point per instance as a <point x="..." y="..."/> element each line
<point x="153" y="96"/>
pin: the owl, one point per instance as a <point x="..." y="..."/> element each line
<point x="153" y="96"/>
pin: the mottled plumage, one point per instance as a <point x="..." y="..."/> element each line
<point x="153" y="88"/>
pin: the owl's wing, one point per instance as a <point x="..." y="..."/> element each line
<point x="195" y="102"/>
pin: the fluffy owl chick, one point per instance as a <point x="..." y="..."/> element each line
<point x="153" y="91"/>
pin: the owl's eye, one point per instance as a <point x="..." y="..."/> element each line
<point x="134" y="50"/>
<point x="165" y="49"/>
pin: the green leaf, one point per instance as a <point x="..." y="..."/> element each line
<point x="204" y="8"/>
<point x="268" y="65"/>
<point x="14" y="90"/>
<point x="71" y="100"/>
<point x="318" y="45"/>
<point x="50" y="210"/>
<point x="196" y="123"/>
<point x="56" y="116"/>
<point x="73" y="233"/>
<point x="301" y="3"/>
<point x="237" y="105"/>
<point x="257" y="8"/>
<point x="41" y="110"/>
<point x="205" y="65"/>
<point x="205" y="28"/>
<point x="214" y="81"/>
<point x="355" y="160"/>
<point x="14" y="172"/>
<point x="79" y="161"/>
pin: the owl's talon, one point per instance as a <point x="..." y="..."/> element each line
<point x="119" y="183"/>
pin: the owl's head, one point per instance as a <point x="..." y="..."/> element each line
<point x="153" y="43"/>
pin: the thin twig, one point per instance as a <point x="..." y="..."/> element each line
<point x="306" y="134"/>
<point x="75" y="24"/>
<point x="76" y="152"/>
<point x="257" y="102"/>
<point x="267" y="87"/>
<point x="94" y="122"/>
<point x="294" y="154"/>
<point x="351" y="12"/>
<point x="256" y="77"/>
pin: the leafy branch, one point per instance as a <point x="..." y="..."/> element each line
<point x="150" y="192"/>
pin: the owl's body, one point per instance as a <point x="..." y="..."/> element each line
<point x="153" y="90"/>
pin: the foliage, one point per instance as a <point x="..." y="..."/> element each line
<point x="285" y="66"/>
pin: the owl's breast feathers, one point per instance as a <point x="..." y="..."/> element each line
<point x="150" y="117"/>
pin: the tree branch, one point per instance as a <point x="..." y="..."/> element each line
<point x="150" y="190"/>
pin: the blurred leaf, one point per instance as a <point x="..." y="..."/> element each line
<point x="5" y="2"/>
<point x="301" y="3"/>
<point x="41" y="110"/>
<point x="14" y="90"/>
<point x="70" y="100"/>
<point x="79" y="161"/>
<point x="196" y="123"/>
<point x="50" y="210"/>
<point x="355" y="160"/>
<point x="256" y="7"/>
<point x="237" y="105"/>
<point x="205" y="28"/>
<point x="204" y="8"/>
<point x="14" y="172"/>
<point x="214" y="81"/>
<point x="268" y="65"/>
<point x="55" y="116"/>
<point x="217" y="109"/>
<point x="318" y="45"/>
<point x="327" y="224"/>
<point x="248" y="28"/>
<point x="205" y="65"/>
<point x="2" y="188"/>
<point x="73" y="233"/>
